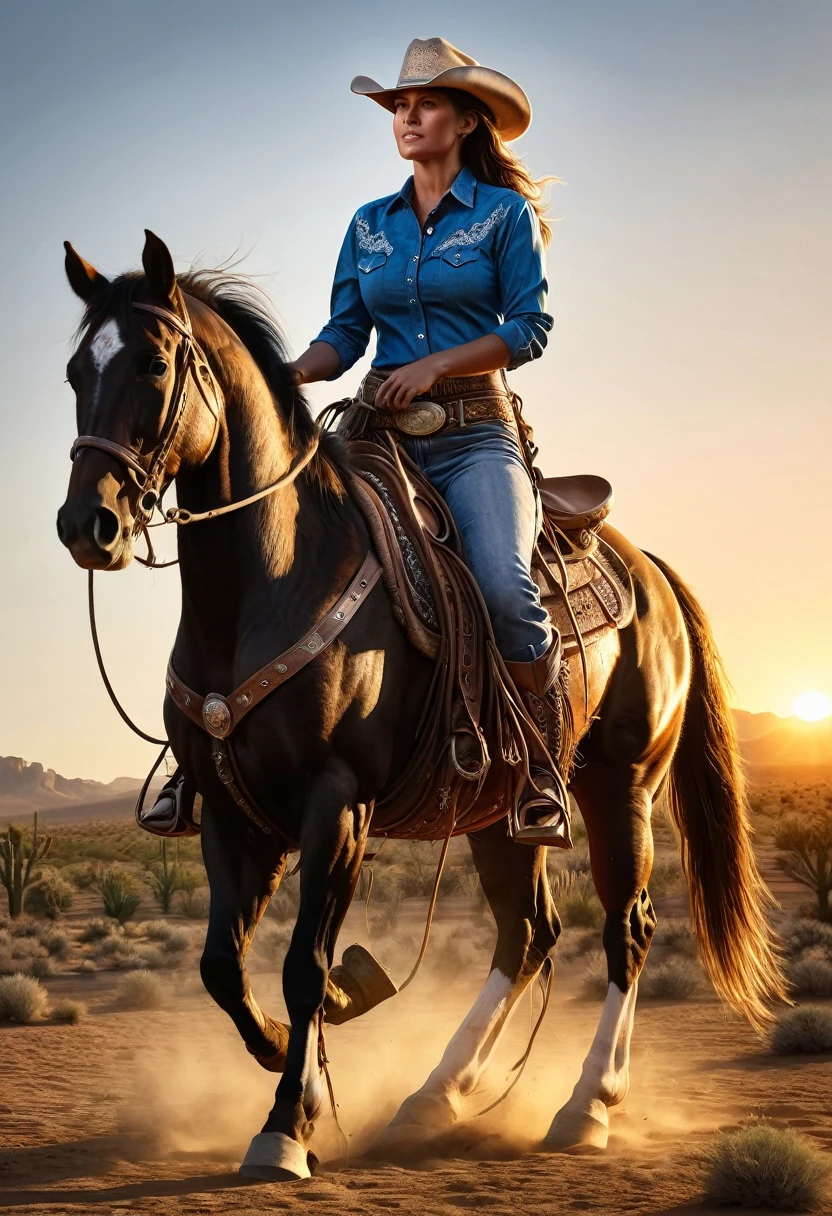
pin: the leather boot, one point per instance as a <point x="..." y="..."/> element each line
<point x="543" y="813"/>
<point x="170" y="813"/>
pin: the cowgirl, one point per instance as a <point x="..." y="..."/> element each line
<point x="449" y="271"/>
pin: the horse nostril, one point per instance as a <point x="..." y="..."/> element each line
<point x="107" y="528"/>
<point x="62" y="532"/>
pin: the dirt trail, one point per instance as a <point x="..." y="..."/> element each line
<point x="150" y="1113"/>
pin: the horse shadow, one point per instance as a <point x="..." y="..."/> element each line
<point x="93" y="1157"/>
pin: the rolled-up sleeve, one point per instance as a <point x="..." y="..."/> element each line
<point x="350" y="324"/>
<point x="523" y="287"/>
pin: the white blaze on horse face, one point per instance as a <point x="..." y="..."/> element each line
<point x="104" y="347"/>
<point x="106" y="344"/>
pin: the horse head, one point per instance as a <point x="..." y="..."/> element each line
<point x="137" y="422"/>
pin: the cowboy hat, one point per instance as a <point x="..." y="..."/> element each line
<point x="434" y="63"/>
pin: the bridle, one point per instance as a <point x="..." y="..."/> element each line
<point x="152" y="480"/>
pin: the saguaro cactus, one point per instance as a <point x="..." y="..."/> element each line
<point x="17" y="861"/>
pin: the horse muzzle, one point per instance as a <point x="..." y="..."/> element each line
<point x="97" y="536"/>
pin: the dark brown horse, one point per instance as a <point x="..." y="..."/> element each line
<point x="318" y="752"/>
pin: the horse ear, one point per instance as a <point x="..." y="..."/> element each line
<point x="84" y="279"/>
<point x="161" y="276"/>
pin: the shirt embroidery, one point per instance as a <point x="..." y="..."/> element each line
<point x="375" y="242"/>
<point x="475" y="234"/>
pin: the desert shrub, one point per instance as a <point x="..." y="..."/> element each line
<point x="766" y="1167"/>
<point x="164" y="878"/>
<point x="96" y="930"/>
<point x="141" y="990"/>
<point x="8" y="965"/>
<point x="665" y="876"/>
<point x="22" y="999"/>
<point x="57" y="944"/>
<point x="25" y="927"/>
<point x="578" y="944"/>
<point x="118" y="953"/>
<point x="152" y="957"/>
<point x="173" y="937"/>
<point x="806" y="1030"/>
<point x="83" y="875"/>
<point x="270" y="945"/>
<point x="674" y="980"/>
<point x="675" y="935"/>
<point x="809" y="935"/>
<point x="454" y="955"/>
<point x="194" y="903"/>
<point x="50" y="895"/>
<point x="68" y="1012"/>
<point x="40" y="967"/>
<point x="804" y="841"/>
<point x="120" y="893"/>
<point x="576" y="901"/>
<point x="811" y="974"/>
<point x="86" y="964"/>
<point x="595" y="980"/>
<point x="283" y="905"/>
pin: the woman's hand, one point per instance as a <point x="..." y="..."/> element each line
<point x="405" y="383"/>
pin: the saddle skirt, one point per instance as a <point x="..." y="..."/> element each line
<point x="470" y="759"/>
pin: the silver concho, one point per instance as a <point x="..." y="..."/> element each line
<point x="217" y="717"/>
<point x="421" y="418"/>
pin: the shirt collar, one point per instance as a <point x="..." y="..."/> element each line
<point x="463" y="188"/>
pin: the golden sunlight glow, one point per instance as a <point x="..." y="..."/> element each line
<point x="812" y="706"/>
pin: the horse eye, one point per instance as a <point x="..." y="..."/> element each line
<point x="149" y="364"/>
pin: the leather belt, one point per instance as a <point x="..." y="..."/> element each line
<point x="455" y="401"/>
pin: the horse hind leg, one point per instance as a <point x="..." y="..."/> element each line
<point x="516" y="886"/>
<point x="617" y="816"/>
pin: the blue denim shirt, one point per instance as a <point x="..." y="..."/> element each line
<point x="475" y="269"/>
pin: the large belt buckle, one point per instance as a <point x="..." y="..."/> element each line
<point x="421" y="418"/>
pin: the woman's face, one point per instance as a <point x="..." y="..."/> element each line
<point x="427" y="126"/>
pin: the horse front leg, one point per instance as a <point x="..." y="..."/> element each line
<point x="243" y="874"/>
<point x="616" y="811"/>
<point x="332" y="839"/>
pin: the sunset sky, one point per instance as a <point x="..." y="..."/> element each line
<point x="690" y="279"/>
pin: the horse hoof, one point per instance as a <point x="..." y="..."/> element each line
<point x="421" y="1112"/>
<point x="273" y="1157"/>
<point x="577" y="1132"/>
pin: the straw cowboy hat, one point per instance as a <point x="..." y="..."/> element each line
<point x="434" y="63"/>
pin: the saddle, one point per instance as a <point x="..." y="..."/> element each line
<point x="470" y="758"/>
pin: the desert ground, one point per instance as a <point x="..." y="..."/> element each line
<point x="151" y="1112"/>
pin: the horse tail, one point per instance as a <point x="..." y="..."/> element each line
<point x="730" y="903"/>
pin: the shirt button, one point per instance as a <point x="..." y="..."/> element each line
<point x="415" y="257"/>
<point x="410" y="280"/>
<point x="420" y="335"/>
<point x="412" y="301"/>
<point x="429" y="231"/>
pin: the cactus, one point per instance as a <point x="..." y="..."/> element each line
<point x="17" y="861"/>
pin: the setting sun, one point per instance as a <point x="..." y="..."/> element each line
<point x="812" y="706"/>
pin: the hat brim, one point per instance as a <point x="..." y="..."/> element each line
<point x="508" y="103"/>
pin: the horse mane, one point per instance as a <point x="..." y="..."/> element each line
<point x="246" y="309"/>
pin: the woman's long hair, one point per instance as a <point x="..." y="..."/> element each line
<point x="491" y="160"/>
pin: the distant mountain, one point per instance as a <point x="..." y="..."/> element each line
<point x="767" y="741"/>
<point x="27" y="787"/>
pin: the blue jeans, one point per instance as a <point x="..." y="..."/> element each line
<point x="480" y="472"/>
